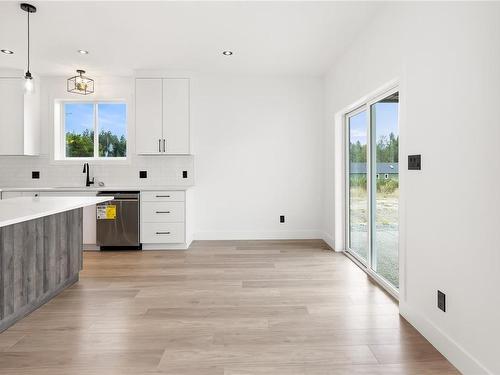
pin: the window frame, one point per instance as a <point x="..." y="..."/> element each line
<point x="62" y="132"/>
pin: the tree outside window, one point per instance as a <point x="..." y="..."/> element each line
<point x="83" y="121"/>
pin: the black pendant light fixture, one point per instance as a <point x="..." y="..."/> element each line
<point x="80" y="84"/>
<point x="28" y="78"/>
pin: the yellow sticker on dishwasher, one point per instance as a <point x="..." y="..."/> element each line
<point x="111" y="211"/>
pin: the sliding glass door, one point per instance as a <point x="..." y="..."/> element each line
<point x="373" y="186"/>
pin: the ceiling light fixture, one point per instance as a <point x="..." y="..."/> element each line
<point x="83" y="52"/>
<point x="80" y="84"/>
<point x="7" y="51"/>
<point x="227" y="53"/>
<point x="28" y="78"/>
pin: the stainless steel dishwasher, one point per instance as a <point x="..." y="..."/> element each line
<point x="118" y="221"/>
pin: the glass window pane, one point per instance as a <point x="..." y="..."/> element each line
<point x="79" y="129"/>
<point x="112" y="123"/>
<point x="385" y="260"/>
<point x="358" y="184"/>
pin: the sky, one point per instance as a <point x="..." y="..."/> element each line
<point x="386" y="121"/>
<point x="80" y="116"/>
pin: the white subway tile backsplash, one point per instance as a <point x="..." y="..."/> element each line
<point x="162" y="170"/>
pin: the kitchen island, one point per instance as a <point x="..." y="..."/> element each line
<point x="40" y="251"/>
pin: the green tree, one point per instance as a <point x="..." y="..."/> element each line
<point x="387" y="149"/>
<point x="112" y="146"/>
<point x="80" y="145"/>
<point x="357" y="152"/>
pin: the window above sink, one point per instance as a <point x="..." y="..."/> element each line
<point x="90" y="131"/>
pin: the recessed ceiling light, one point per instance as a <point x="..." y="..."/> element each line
<point x="83" y="52"/>
<point x="7" y="51"/>
<point x="227" y="53"/>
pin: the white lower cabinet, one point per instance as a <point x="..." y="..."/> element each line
<point x="163" y="212"/>
<point x="162" y="233"/>
<point x="163" y="217"/>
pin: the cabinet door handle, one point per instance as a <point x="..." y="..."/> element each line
<point x="163" y="196"/>
<point x="159" y="145"/>
<point x="162" y="232"/>
<point x="164" y="145"/>
<point x="162" y="212"/>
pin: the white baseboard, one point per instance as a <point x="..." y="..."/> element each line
<point x="164" y="246"/>
<point x="90" y="247"/>
<point x="281" y="235"/>
<point x="457" y="355"/>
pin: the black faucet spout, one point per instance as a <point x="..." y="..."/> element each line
<point x="86" y="169"/>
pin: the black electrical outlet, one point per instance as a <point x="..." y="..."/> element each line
<point x="184" y="174"/>
<point x="282" y="218"/>
<point x="441" y="301"/>
<point x="143" y="174"/>
<point x="414" y="162"/>
<point x="35" y="174"/>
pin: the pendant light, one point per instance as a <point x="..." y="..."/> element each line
<point x="28" y="78"/>
<point x="80" y="84"/>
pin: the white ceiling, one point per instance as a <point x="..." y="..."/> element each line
<point x="266" y="37"/>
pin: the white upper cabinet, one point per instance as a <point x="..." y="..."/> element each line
<point x="148" y="116"/>
<point x="162" y="116"/>
<point x="176" y="115"/>
<point x="19" y="118"/>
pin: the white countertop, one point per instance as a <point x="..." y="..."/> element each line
<point x="96" y="188"/>
<point x="17" y="210"/>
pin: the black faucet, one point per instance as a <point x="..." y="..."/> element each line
<point x="86" y="169"/>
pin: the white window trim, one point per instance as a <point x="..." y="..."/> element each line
<point x="59" y="147"/>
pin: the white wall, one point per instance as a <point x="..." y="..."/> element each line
<point x="447" y="58"/>
<point x="257" y="145"/>
<point x="258" y="148"/>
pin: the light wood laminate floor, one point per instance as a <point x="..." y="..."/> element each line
<point x="221" y="307"/>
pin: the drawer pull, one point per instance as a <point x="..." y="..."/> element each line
<point x="162" y="232"/>
<point x="163" y="196"/>
<point x="162" y="212"/>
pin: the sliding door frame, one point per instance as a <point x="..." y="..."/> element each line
<point x="371" y="186"/>
<point x="347" y="167"/>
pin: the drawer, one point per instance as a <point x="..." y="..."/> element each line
<point x="162" y="233"/>
<point x="162" y="196"/>
<point x="162" y="212"/>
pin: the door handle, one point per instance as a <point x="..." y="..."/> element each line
<point x="164" y="145"/>
<point x="159" y="145"/>
<point x="162" y="212"/>
<point x="162" y="232"/>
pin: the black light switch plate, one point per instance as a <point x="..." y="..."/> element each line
<point x="143" y="174"/>
<point x="414" y="162"/>
<point x="184" y="174"/>
<point x="282" y="218"/>
<point x="441" y="301"/>
<point x="35" y="174"/>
